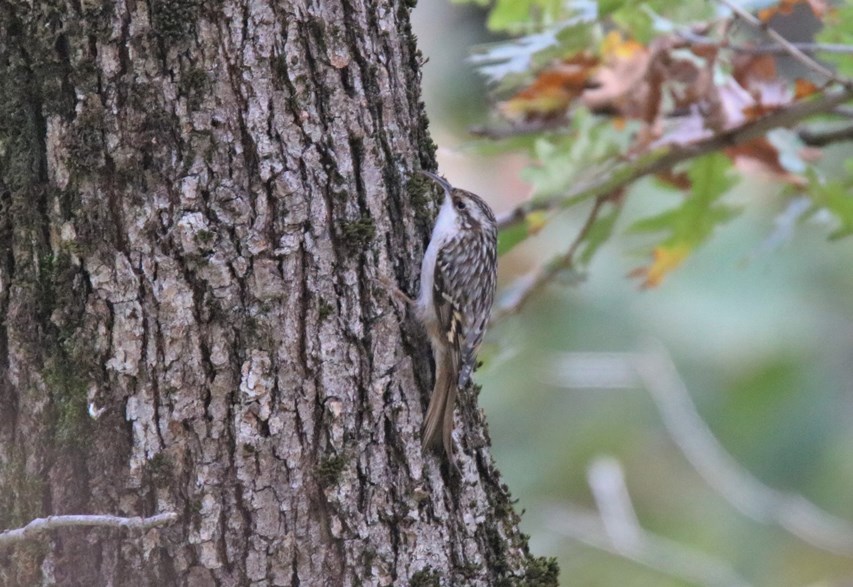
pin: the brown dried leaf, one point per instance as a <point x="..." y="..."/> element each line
<point x="678" y="180"/>
<point x="552" y="91"/>
<point x="752" y="70"/>
<point x="706" y="51"/>
<point x="759" y="156"/>
<point x="757" y="75"/>
<point x="620" y="86"/>
<point x="688" y="83"/>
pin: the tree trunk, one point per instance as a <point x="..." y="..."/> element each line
<point x="196" y="199"/>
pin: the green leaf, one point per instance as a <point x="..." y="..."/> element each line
<point x="637" y="23"/>
<point x="691" y="223"/>
<point x="836" y="197"/>
<point x="657" y="223"/>
<point x="567" y="160"/>
<point x="509" y="16"/>
<point x="641" y="19"/>
<point x="838" y="29"/>
<point x="607" y="7"/>
<point x="710" y="180"/>
<point x="524" y="15"/>
<point x="509" y="237"/>
<point x="709" y="177"/>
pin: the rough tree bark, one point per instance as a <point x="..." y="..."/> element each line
<point x="196" y="199"/>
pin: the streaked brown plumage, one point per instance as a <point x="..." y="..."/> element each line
<point x="458" y="277"/>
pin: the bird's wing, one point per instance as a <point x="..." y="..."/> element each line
<point x="448" y="300"/>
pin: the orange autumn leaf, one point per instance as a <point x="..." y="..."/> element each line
<point x="758" y="110"/>
<point x="614" y="46"/>
<point x="786" y="7"/>
<point x="552" y="91"/>
<point x="665" y="259"/>
<point x="803" y="88"/>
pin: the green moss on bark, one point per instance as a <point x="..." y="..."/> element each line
<point x="67" y="388"/>
<point x="21" y="493"/>
<point x="174" y="20"/>
<point x="427" y="577"/>
<point x="195" y="85"/>
<point x="420" y="190"/>
<point x="357" y="234"/>
<point x="86" y="138"/>
<point x="329" y="469"/>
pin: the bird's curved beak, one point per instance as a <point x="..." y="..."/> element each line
<point x="437" y="179"/>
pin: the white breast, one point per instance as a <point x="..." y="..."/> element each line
<point x="445" y="227"/>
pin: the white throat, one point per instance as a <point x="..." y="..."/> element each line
<point x="446" y="224"/>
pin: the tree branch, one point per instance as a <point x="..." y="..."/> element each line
<point x="804" y="47"/>
<point x="719" y="469"/>
<point x="789" y="47"/>
<point x="695" y="38"/>
<point x="516" y="130"/>
<point x="607" y="482"/>
<point x="703" y="450"/>
<point x="815" y="138"/>
<point x="40" y="525"/>
<point x="844" y="111"/>
<point x="619" y="533"/>
<point x="670" y="155"/>
<point x="532" y="282"/>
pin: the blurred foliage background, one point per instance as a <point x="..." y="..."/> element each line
<point x="758" y="322"/>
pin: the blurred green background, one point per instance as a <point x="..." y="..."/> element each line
<point x="759" y="324"/>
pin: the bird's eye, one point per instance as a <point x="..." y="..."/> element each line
<point x="460" y="205"/>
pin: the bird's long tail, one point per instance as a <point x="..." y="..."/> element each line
<point x="439" y="417"/>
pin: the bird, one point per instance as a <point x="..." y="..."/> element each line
<point x="457" y="289"/>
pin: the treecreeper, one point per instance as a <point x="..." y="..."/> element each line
<point x="458" y="279"/>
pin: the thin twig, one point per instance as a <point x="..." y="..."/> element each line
<point x="703" y="451"/>
<point x="666" y="157"/>
<point x="532" y="282"/>
<point x="653" y="551"/>
<point x="618" y="532"/>
<point x="842" y="110"/>
<point x="789" y="47"/>
<point x="40" y="525"/>
<point x="607" y="482"/>
<point x="779" y="50"/>
<point x="764" y="504"/>
<point x="516" y="130"/>
<point x="815" y="138"/>
<point x="700" y="39"/>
